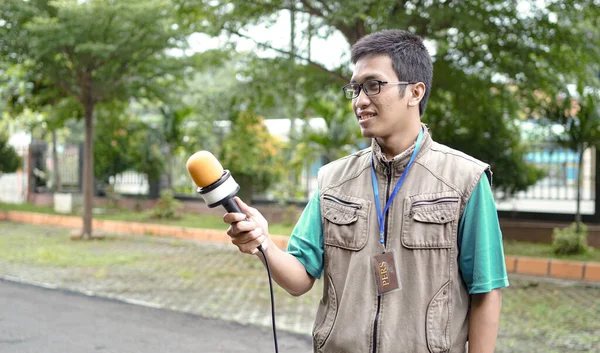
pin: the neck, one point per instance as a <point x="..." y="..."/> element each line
<point x="392" y="146"/>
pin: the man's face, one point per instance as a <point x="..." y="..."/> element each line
<point x="382" y="115"/>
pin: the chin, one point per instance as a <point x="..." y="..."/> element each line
<point x="367" y="133"/>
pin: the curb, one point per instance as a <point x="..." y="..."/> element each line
<point x="553" y="268"/>
<point x="574" y="270"/>
<point x="136" y="228"/>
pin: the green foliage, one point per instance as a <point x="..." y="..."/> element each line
<point x="146" y="154"/>
<point x="167" y="207"/>
<point x="340" y="136"/>
<point x="570" y="240"/>
<point x="251" y="153"/>
<point x="112" y="198"/>
<point x="113" y="142"/>
<point x="9" y="159"/>
<point x="491" y="58"/>
<point x="579" y="114"/>
<point x="580" y="117"/>
<point x="125" y="141"/>
<point x="119" y="46"/>
<point x="95" y="51"/>
<point x="291" y="215"/>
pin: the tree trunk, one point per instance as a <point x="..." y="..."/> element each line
<point x="57" y="180"/>
<point x="292" y="176"/>
<point x="579" y="176"/>
<point x="170" y="169"/>
<point x="246" y="188"/>
<point x="30" y="178"/>
<point x="88" y="170"/>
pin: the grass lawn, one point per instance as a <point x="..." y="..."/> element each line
<point x="521" y="248"/>
<point x="511" y="247"/>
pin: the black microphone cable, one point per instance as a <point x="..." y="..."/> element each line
<point x="262" y="251"/>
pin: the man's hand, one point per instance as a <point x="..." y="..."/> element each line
<point x="250" y="229"/>
<point x="247" y="230"/>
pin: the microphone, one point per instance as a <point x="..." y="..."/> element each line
<point x="216" y="186"/>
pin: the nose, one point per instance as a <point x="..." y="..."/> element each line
<point x="362" y="100"/>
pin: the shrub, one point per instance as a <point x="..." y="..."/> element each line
<point x="290" y="216"/>
<point x="567" y="241"/>
<point x="167" y="206"/>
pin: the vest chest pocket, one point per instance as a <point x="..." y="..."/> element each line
<point x="430" y="221"/>
<point x="345" y="221"/>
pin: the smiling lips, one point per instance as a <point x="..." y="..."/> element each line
<point x="365" y="117"/>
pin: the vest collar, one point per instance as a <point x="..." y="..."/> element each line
<point x="399" y="162"/>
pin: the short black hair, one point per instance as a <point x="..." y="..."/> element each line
<point x="410" y="58"/>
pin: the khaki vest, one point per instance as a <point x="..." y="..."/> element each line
<point x="430" y="312"/>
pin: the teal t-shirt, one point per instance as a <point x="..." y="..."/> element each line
<point x="481" y="257"/>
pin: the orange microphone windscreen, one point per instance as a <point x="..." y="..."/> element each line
<point x="204" y="168"/>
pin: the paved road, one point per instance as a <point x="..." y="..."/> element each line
<point x="34" y="319"/>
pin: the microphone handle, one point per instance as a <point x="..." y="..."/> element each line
<point x="231" y="206"/>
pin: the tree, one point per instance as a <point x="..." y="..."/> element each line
<point x="23" y="90"/>
<point x="172" y="131"/>
<point x="9" y="159"/>
<point x="489" y="58"/>
<point x="113" y="146"/>
<point x="251" y="154"/>
<point x="580" y="116"/>
<point x="94" y="51"/>
<point x="339" y="137"/>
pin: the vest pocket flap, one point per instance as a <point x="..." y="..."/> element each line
<point x="439" y="216"/>
<point x="345" y="221"/>
<point x="430" y="221"/>
<point x="337" y="217"/>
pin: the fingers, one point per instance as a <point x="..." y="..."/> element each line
<point x="247" y="212"/>
<point x="234" y="217"/>
<point x="247" y="229"/>
<point x="239" y="227"/>
<point x="243" y="206"/>
<point x="248" y="242"/>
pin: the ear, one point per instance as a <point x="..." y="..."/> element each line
<point x="416" y="94"/>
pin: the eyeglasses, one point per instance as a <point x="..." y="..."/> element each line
<point x="370" y="87"/>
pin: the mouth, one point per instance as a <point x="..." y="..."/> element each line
<point x="366" y="117"/>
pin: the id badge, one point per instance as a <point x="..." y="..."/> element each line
<point x="386" y="273"/>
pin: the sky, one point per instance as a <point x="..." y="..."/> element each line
<point x="330" y="52"/>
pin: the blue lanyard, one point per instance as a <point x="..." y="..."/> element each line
<point x="381" y="215"/>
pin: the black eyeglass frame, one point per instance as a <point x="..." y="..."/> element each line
<point x="361" y="86"/>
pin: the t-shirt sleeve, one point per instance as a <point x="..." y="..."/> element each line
<point x="306" y="241"/>
<point x="481" y="257"/>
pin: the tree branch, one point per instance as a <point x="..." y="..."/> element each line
<point x="318" y="66"/>
<point x="66" y="87"/>
<point x="274" y="7"/>
<point x="312" y="10"/>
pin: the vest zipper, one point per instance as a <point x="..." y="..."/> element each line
<point x="436" y="201"/>
<point x="388" y="173"/>
<point x="342" y="202"/>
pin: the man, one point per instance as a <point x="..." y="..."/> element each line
<point x="404" y="234"/>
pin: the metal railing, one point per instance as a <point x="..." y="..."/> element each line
<point x="561" y="169"/>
